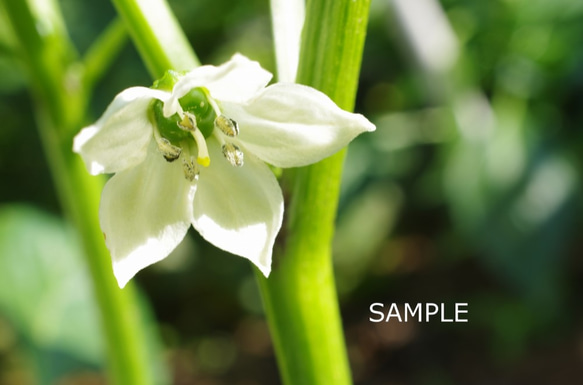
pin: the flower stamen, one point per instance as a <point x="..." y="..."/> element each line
<point x="168" y="150"/>
<point x="188" y="122"/>
<point x="227" y="126"/>
<point x="190" y="168"/>
<point x="233" y="154"/>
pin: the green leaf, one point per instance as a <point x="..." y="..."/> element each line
<point x="44" y="285"/>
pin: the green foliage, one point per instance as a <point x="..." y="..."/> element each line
<point x="44" y="288"/>
<point x="47" y="295"/>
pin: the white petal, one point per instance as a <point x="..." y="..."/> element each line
<point x="290" y="125"/>
<point x="239" y="209"/>
<point x="287" y="18"/>
<point x="119" y="139"/>
<point x="145" y="213"/>
<point x="237" y="81"/>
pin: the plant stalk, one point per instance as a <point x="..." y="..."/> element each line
<point x="300" y="295"/>
<point x="60" y="101"/>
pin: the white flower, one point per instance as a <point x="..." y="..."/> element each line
<point x="195" y="153"/>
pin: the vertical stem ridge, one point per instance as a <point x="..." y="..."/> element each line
<point x="300" y="296"/>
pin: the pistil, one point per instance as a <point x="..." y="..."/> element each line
<point x="188" y="123"/>
<point x="203" y="153"/>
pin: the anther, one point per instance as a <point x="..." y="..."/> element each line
<point x="228" y="126"/>
<point x="168" y="150"/>
<point x="233" y="154"/>
<point x="188" y="122"/>
<point x="190" y="168"/>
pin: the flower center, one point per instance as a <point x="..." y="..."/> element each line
<point x="200" y="118"/>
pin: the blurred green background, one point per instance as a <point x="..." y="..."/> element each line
<point x="469" y="191"/>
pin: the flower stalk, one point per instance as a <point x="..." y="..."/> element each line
<point x="157" y="35"/>
<point x="300" y="296"/>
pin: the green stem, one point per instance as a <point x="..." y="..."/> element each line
<point x="300" y="296"/>
<point x="60" y="101"/>
<point x="79" y="193"/>
<point x="157" y="35"/>
<point x="103" y="51"/>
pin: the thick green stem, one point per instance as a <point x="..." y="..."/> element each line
<point x="60" y="105"/>
<point x="157" y="35"/>
<point x="300" y="296"/>
<point x="79" y="194"/>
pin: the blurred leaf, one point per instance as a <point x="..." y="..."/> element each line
<point x="44" y="286"/>
<point x="45" y="291"/>
<point x="362" y="228"/>
<point x="514" y="196"/>
<point x="11" y="75"/>
<point x="408" y="129"/>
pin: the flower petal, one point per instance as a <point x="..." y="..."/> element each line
<point x="119" y="139"/>
<point x="145" y="213"/>
<point x="291" y="125"/>
<point x="289" y="17"/>
<point x="237" y="80"/>
<point x="239" y="209"/>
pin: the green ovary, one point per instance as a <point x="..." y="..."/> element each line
<point x="196" y="102"/>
